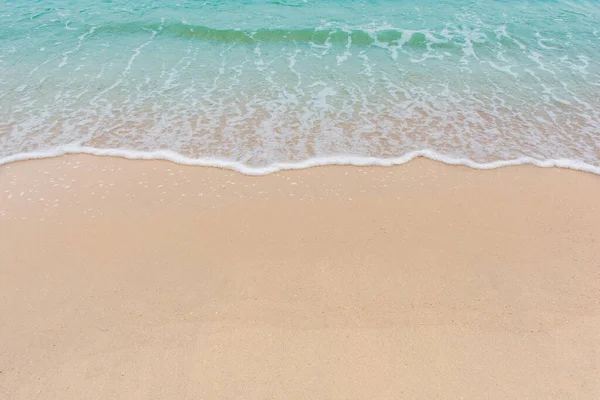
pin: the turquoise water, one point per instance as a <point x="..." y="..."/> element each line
<point x="260" y="85"/>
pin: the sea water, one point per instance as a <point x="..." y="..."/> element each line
<point x="261" y="85"/>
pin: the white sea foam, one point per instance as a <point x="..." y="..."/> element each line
<point x="264" y="88"/>
<point x="341" y="160"/>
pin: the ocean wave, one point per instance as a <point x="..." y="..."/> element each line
<point x="340" y="160"/>
<point x="318" y="35"/>
<point x="249" y="86"/>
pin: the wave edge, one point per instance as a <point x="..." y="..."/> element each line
<point x="362" y="161"/>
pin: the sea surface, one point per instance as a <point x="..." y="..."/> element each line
<point x="264" y="85"/>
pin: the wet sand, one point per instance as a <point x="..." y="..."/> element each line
<point x="126" y="279"/>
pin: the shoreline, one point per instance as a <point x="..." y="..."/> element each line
<point x="339" y="160"/>
<point x="130" y="279"/>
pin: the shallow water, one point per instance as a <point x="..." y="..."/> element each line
<point x="264" y="85"/>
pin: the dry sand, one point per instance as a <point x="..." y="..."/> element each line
<point x="149" y="280"/>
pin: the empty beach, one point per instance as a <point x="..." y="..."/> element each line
<point x="146" y="279"/>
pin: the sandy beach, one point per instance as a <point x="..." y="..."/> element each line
<point x="127" y="279"/>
